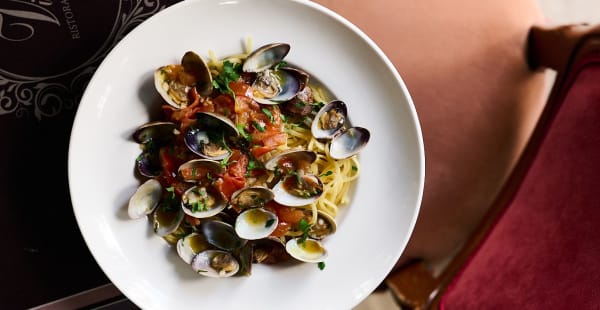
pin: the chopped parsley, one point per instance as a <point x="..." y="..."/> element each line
<point x="194" y="172"/>
<point x="321" y="265"/>
<point x="172" y="191"/>
<point x="199" y="205"/>
<point x="268" y="114"/>
<point x="269" y="222"/>
<point x="283" y="118"/>
<point x="354" y="168"/>
<point x="258" y="126"/>
<point x="304" y="227"/>
<point x="279" y="65"/>
<point x="317" y="106"/>
<point x="326" y="174"/>
<point x="243" y="132"/>
<point x="230" y="73"/>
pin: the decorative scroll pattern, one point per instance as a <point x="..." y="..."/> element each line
<point x="48" y="96"/>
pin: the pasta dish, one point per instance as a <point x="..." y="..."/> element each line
<point x="249" y="163"/>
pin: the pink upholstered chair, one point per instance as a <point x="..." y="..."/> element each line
<point x="538" y="245"/>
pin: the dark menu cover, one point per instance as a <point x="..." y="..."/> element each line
<point x="49" y="51"/>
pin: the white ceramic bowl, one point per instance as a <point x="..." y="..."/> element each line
<point x="373" y="230"/>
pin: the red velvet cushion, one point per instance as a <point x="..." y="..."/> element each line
<point x="544" y="252"/>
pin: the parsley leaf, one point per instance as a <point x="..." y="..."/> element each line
<point x="354" y="168"/>
<point x="321" y="265"/>
<point x="268" y="113"/>
<point x="326" y="174"/>
<point x="230" y="73"/>
<point x="279" y="65"/>
<point x="269" y="222"/>
<point x="258" y="126"/>
<point x="304" y="227"/>
<point x="243" y="132"/>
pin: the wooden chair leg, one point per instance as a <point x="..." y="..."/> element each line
<point x="413" y="286"/>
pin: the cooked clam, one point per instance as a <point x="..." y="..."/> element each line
<point x="265" y="57"/>
<point x="173" y="82"/>
<point x="270" y="250"/>
<point x="145" y="199"/>
<point x="222" y="235"/>
<point x="298" y="190"/>
<point x="166" y="218"/>
<point x="349" y="142"/>
<point x="251" y="197"/>
<point x="190" y="245"/>
<point x="208" y="140"/>
<point x="215" y="264"/>
<point x="148" y="164"/>
<point x="323" y="227"/>
<point x="291" y="160"/>
<point x="157" y="133"/>
<point x="255" y="223"/>
<point x="197" y="170"/>
<point x="202" y="202"/>
<point x="309" y="250"/>
<point x="276" y="86"/>
<point x="330" y="119"/>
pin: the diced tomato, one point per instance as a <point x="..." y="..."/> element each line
<point x="238" y="164"/>
<point x="290" y="215"/>
<point x="169" y="163"/>
<point x="259" y="151"/>
<point x="229" y="184"/>
<point x="224" y="105"/>
<point x="241" y="89"/>
<point x="192" y="220"/>
<point x="281" y="230"/>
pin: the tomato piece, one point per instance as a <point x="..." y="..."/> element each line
<point x="238" y="164"/>
<point x="229" y="184"/>
<point x="240" y="89"/>
<point x="169" y="163"/>
<point x="281" y="230"/>
<point x="258" y="151"/>
<point x="290" y="215"/>
<point x="224" y="105"/>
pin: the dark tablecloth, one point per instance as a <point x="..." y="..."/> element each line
<point x="50" y="50"/>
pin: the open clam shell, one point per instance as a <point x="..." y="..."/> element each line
<point x="309" y="251"/>
<point x="290" y="160"/>
<point x="145" y="199"/>
<point x="275" y="87"/>
<point x="208" y="139"/>
<point x="190" y="245"/>
<point x="269" y="250"/>
<point x="349" y="143"/>
<point x="251" y="197"/>
<point x="159" y="133"/>
<point x="166" y="219"/>
<point x="330" y="119"/>
<point x="255" y="223"/>
<point x="197" y="170"/>
<point x="215" y="264"/>
<point x="148" y="164"/>
<point x="202" y="202"/>
<point x="265" y="57"/>
<point x="298" y="190"/>
<point x="173" y="82"/>
<point x="323" y="227"/>
<point x="222" y="235"/>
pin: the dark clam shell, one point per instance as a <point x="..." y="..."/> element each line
<point x="148" y="164"/>
<point x="157" y="133"/>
